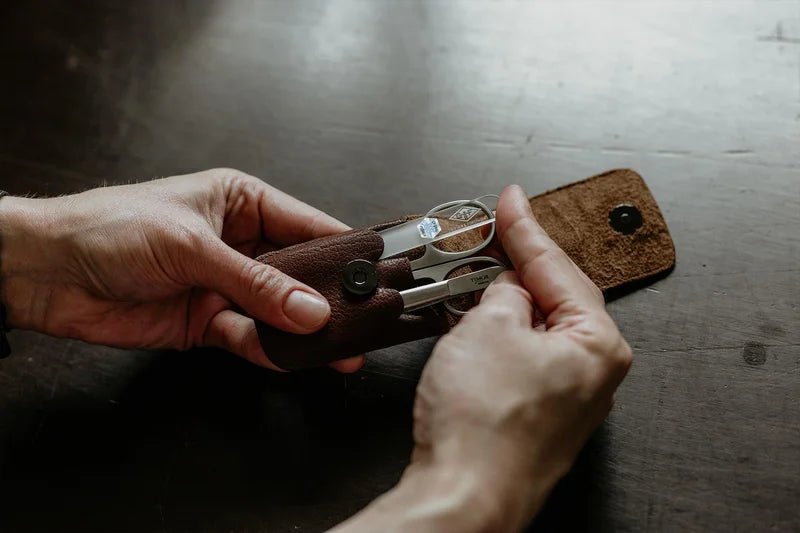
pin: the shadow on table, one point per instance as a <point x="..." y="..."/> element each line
<point x="581" y="501"/>
<point x="202" y="441"/>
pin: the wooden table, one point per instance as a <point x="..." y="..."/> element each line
<point x="377" y="108"/>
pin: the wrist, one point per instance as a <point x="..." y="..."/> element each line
<point x="24" y="276"/>
<point x="430" y="498"/>
<point x="454" y="496"/>
<point x="510" y="476"/>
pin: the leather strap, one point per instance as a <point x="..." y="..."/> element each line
<point x="609" y="224"/>
<point x="611" y="227"/>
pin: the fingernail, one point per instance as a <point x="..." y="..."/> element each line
<point x="306" y="310"/>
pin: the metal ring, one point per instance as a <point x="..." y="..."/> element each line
<point x="474" y="203"/>
<point x="459" y="312"/>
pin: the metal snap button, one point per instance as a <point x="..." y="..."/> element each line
<point x="625" y="219"/>
<point x="360" y="277"/>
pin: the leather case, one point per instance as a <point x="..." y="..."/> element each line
<point x="609" y="224"/>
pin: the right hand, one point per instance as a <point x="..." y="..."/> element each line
<point x="511" y="403"/>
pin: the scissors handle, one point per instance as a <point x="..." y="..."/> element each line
<point x="440" y="271"/>
<point x="435" y="256"/>
<point x="433" y="293"/>
<point x="426" y="230"/>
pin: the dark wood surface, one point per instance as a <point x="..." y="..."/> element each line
<point x="373" y="109"/>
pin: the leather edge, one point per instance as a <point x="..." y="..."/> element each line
<point x="664" y="269"/>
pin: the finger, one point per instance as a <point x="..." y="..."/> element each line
<point x="558" y="290"/>
<point x="237" y="334"/>
<point x="286" y="220"/>
<point x="262" y="291"/>
<point x="507" y="299"/>
<point x="349" y="365"/>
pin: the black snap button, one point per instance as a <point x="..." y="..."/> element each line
<point x="360" y="277"/>
<point x="625" y="219"/>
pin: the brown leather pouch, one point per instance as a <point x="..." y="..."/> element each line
<point x="609" y="224"/>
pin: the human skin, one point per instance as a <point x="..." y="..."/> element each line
<point x="509" y="396"/>
<point x="505" y="402"/>
<point x="163" y="264"/>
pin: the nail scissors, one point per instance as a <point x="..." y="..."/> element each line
<point x="433" y="268"/>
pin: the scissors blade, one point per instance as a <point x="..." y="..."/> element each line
<point x="473" y="281"/>
<point x="410" y="235"/>
<point x="433" y="293"/>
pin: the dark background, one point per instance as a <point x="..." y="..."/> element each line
<point x="378" y="108"/>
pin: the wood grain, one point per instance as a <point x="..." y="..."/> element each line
<point x="374" y="109"/>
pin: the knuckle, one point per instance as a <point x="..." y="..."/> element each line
<point x="544" y="254"/>
<point x="226" y="172"/>
<point x="231" y="180"/>
<point x="623" y="356"/>
<point x="494" y="289"/>
<point x="497" y="314"/>
<point x="512" y="228"/>
<point x="507" y="289"/>
<point x="264" y="281"/>
<point x="612" y="349"/>
<point x="602" y="336"/>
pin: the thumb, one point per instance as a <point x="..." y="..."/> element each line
<point x="506" y="300"/>
<point x="265" y="293"/>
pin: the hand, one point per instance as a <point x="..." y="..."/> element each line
<point x="514" y="401"/>
<point x="504" y="406"/>
<point x="164" y="264"/>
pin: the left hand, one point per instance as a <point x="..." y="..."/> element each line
<point x="163" y="264"/>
